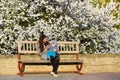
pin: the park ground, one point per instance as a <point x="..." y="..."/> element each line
<point x="64" y="76"/>
<point x="96" y="67"/>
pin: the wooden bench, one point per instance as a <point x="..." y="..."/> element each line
<point x="30" y="48"/>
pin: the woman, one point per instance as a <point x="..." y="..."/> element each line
<point x="44" y="46"/>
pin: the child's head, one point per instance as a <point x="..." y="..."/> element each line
<point x="54" y="43"/>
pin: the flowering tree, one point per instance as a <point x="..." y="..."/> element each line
<point x="70" y="20"/>
<point x="97" y="34"/>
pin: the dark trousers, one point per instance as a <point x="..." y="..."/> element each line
<point x="55" y="63"/>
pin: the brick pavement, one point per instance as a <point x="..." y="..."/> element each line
<point x="64" y="76"/>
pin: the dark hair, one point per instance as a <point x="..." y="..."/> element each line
<point x="46" y="43"/>
<point x="41" y="43"/>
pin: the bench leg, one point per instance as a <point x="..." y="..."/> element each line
<point x="79" y="67"/>
<point x="21" y="67"/>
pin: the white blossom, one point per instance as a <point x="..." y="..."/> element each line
<point x="71" y="20"/>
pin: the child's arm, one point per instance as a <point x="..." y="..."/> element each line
<point x="56" y="50"/>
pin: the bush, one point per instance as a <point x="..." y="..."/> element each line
<point x="67" y="20"/>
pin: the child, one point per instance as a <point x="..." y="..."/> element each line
<point x="53" y="50"/>
<point x="52" y="55"/>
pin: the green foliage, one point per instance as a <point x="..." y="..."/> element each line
<point x="67" y="20"/>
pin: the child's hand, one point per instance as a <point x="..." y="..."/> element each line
<point x="58" y="53"/>
<point x="54" y="50"/>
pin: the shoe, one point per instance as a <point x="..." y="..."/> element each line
<point x="55" y="75"/>
<point x="52" y="73"/>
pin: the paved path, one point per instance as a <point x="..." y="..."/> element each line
<point x="65" y="76"/>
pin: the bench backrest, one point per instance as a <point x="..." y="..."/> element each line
<point x="32" y="47"/>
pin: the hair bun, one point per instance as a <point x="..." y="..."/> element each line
<point x="42" y="33"/>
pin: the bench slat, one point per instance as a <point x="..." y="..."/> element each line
<point x="43" y="62"/>
<point x="32" y="47"/>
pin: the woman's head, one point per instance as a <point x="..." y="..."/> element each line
<point x="42" y="40"/>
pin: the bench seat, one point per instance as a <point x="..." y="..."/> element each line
<point x="62" y="62"/>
